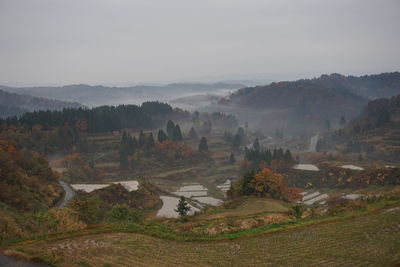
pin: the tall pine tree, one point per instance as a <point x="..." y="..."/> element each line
<point x="232" y="159"/>
<point x="170" y="129"/>
<point x="183" y="207"/>
<point x="150" y="141"/>
<point x="256" y="144"/>
<point x="177" y="134"/>
<point x="161" y="136"/>
<point x="142" y="139"/>
<point x="203" y="146"/>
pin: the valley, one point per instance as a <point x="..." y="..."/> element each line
<point x="116" y="177"/>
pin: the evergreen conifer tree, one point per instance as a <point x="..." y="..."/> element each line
<point x="150" y="141"/>
<point x="236" y="140"/>
<point x="203" y="146"/>
<point x="232" y="159"/>
<point x="161" y="136"/>
<point x="256" y="144"/>
<point x="123" y="159"/>
<point x="177" y="134"/>
<point x="142" y="139"/>
<point x="183" y="207"/>
<point x="170" y="129"/>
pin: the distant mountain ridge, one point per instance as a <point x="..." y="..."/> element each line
<point x="371" y="86"/>
<point x="16" y="104"/>
<point x="301" y="97"/>
<point x="104" y="95"/>
<point x="325" y="96"/>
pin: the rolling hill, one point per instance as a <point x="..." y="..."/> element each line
<point x="105" y="95"/>
<point x="374" y="134"/>
<point x="16" y="104"/>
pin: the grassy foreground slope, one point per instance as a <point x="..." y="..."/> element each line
<point x="370" y="240"/>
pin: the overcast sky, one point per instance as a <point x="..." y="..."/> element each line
<point x="45" y="42"/>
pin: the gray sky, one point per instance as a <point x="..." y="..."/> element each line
<point x="119" y="42"/>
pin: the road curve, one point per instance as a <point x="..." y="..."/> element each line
<point x="313" y="144"/>
<point x="69" y="194"/>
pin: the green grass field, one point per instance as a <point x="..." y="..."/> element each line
<point x="368" y="240"/>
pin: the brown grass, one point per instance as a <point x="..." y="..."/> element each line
<point x="372" y="240"/>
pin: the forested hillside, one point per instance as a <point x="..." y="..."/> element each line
<point x="105" y="95"/>
<point x="26" y="180"/>
<point x="323" y="90"/>
<point x="100" y="119"/>
<point x="16" y="104"/>
<point x="297" y="104"/>
<point x="371" y="86"/>
<point x="375" y="134"/>
<point x="11" y="111"/>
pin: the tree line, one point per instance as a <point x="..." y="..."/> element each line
<point x="98" y="119"/>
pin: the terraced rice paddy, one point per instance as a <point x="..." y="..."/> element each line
<point x="195" y="192"/>
<point x="88" y="187"/>
<point x="129" y="185"/>
<point x="169" y="206"/>
<point x="306" y="167"/>
<point x="314" y="197"/>
<point x="352" y="167"/>
<point x="352" y="196"/>
<point x="208" y="200"/>
<point x="372" y="240"/>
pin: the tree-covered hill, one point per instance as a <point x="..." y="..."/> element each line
<point x="99" y="119"/>
<point x="302" y="99"/>
<point x="26" y="180"/>
<point x="16" y="104"/>
<point x="370" y="86"/>
<point x="374" y="134"/>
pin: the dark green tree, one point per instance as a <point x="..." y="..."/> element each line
<point x="241" y="133"/>
<point x="142" y="139"/>
<point x="183" y="207"/>
<point x="237" y="141"/>
<point x="203" y="146"/>
<point x="161" y="136"/>
<point x="170" y="129"/>
<point x="132" y="144"/>
<point x="123" y="159"/>
<point x="177" y="134"/>
<point x="247" y="189"/>
<point x="288" y="155"/>
<point x="232" y="159"/>
<point x="83" y="145"/>
<point x="228" y="136"/>
<point x="297" y="211"/>
<point x="150" y="141"/>
<point x="256" y="144"/>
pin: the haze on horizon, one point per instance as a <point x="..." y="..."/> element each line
<point x="120" y="42"/>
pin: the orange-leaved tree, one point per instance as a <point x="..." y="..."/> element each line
<point x="268" y="183"/>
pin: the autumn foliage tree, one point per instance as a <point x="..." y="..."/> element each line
<point x="265" y="183"/>
<point x="26" y="180"/>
